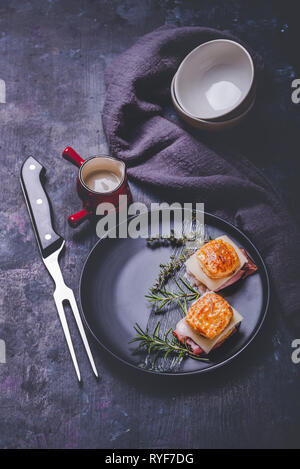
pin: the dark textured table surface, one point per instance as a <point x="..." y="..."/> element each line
<point x="52" y="57"/>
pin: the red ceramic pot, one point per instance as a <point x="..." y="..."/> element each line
<point x="90" y="197"/>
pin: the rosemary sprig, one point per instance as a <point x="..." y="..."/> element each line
<point x="163" y="240"/>
<point x="162" y="346"/>
<point x="168" y="270"/>
<point x="173" y="240"/>
<point x="162" y="297"/>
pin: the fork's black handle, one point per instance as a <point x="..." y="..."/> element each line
<point x="39" y="206"/>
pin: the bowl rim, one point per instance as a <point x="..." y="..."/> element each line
<point x="208" y="123"/>
<point x="192" y="52"/>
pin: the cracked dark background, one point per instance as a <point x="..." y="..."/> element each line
<point x="52" y="57"/>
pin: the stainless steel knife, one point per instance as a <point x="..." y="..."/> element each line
<point x="51" y="245"/>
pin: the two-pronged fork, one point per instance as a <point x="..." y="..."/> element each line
<point x="51" y="245"/>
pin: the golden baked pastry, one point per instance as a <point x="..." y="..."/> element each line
<point x="209" y="315"/>
<point x="218" y="259"/>
<point x="226" y="336"/>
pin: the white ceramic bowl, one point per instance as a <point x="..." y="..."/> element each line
<point x="214" y="79"/>
<point x="207" y="125"/>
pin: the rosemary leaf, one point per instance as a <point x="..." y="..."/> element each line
<point x="162" y="297"/>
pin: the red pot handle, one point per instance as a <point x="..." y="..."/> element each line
<point x="76" y="219"/>
<point x="71" y="155"/>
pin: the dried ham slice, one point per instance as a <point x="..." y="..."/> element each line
<point x="192" y="346"/>
<point x="248" y="269"/>
<point x="195" y="348"/>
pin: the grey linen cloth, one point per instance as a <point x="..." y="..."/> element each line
<point x="163" y="155"/>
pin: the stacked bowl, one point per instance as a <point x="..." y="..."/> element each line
<point x="214" y="87"/>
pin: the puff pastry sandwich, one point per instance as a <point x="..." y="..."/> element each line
<point x="218" y="264"/>
<point x="208" y="323"/>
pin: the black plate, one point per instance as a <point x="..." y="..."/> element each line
<point x="118" y="273"/>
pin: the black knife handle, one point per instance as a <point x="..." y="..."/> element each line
<point x="39" y="206"/>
